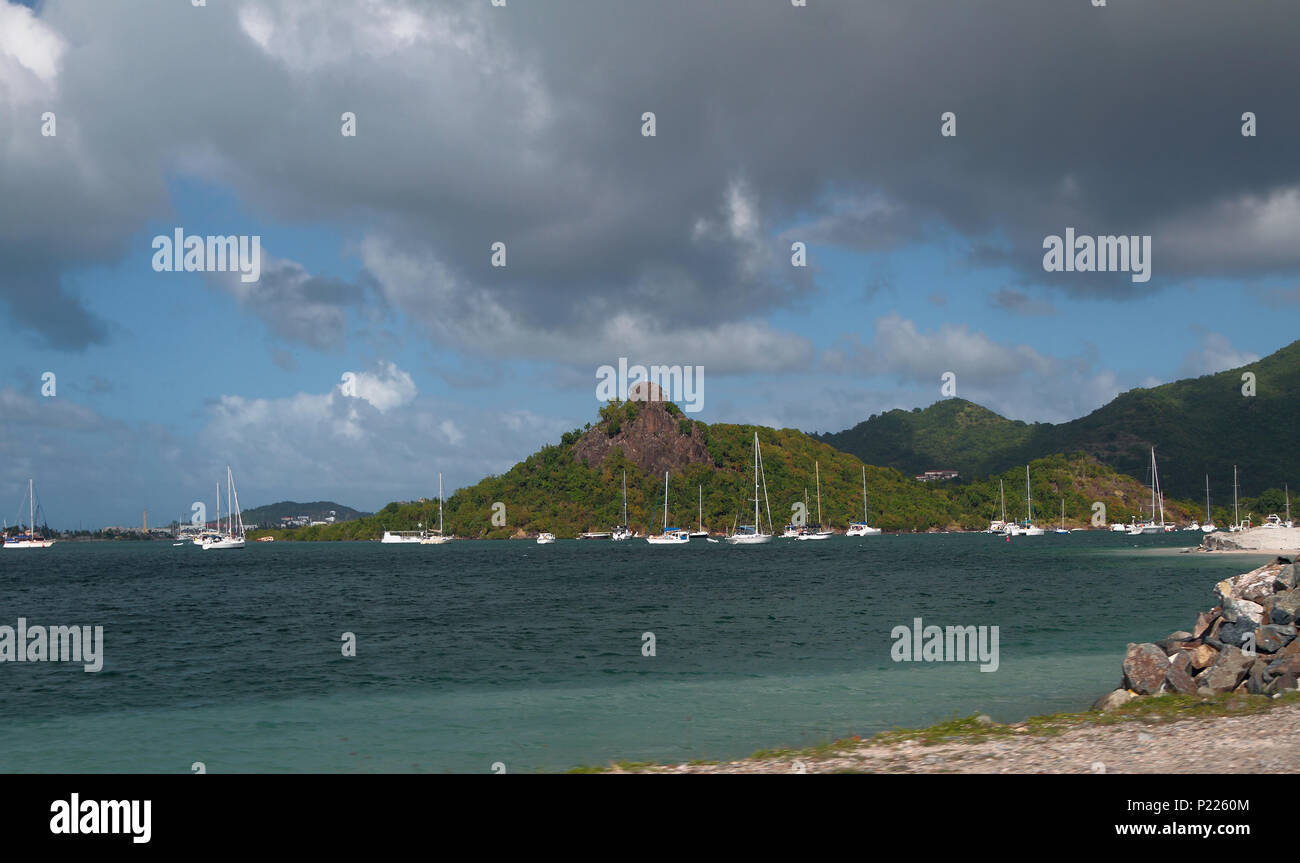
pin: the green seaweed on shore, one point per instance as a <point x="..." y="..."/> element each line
<point x="1153" y="709"/>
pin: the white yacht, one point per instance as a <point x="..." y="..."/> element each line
<point x="30" y="539"/>
<point x="403" y="536"/>
<point x="622" y="532"/>
<point x="1028" y="529"/>
<point x="671" y="535"/>
<point x="1208" y="525"/>
<point x="1237" y="524"/>
<point x="753" y="534"/>
<point x="1157" y="504"/>
<point x="1000" y="526"/>
<point x="233" y="536"/>
<point x="437" y="537"/>
<point x="819" y="531"/>
<point x="862" y="528"/>
<point x="545" y="538"/>
<point x="701" y="533"/>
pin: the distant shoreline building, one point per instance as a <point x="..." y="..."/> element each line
<point x="936" y="475"/>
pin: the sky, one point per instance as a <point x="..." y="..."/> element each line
<point x="380" y="346"/>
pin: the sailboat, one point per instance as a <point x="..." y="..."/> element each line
<point x="1029" y="529"/>
<point x="1236" y="526"/>
<point x="233" y="535"/>
<point x="1000" y="526"/>
<point x="671" y="535"/>
<point x="862" y="528"/>
<point x="1062" y="529"/>
<point x="437" y="537"/>
<point x="752" y="534"/>
<point x="1208" y="525"/>
<point x="1157" y="500"/>
<point x="621" y="532"/>
<point x="30" y="539"/>
<point x="701" y="533"/>
<point x="817" y="531"/>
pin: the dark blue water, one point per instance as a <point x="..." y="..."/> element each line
<point x="472" y="653"/>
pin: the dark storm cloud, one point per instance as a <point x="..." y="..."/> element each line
<point x="522" y="124"/>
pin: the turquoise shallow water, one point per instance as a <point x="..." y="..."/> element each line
<point x="479" y="652"/>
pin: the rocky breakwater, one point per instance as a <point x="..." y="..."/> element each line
<point x="1246" y="643"/>
<point x="1266" y="539"/>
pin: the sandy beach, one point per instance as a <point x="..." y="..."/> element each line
<point x="1237" y="734"/>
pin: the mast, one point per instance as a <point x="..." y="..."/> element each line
<point x="230" y="518"/>
<point x="1029" y="496"/>
<point x="1288" y="501"/>
<point x="864" y="494"/>
<point x="818" y="468"/>
<point x="665" y="502"/>
<point x="1236" y="517"/>
<point x="757" y="528"/>
<point x="218" y="507"/>
<point x="31" y="505"/>
<point x="701" y="508"/>
<point x="236" y="514"/>
<point x="1003" y="492"/>
<point x="759" y="454"/>
<point x="1062" y="513"/>
<point x="439" y="503"/>
<point x="625" y="498"/>
<point x="1155" y="490"/>
<point x="1208" y="518"/>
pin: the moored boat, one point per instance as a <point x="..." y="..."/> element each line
<point x="30" y="538"/>
<point x="753" y="534"/>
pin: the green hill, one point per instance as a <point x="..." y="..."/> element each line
<point x="1198" y="426"/>
<point x="574" y="486"/>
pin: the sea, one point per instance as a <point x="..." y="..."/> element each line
<point x="513" y="657"/>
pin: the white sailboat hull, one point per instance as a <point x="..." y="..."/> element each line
<point x="862" y="530"/>
<point x="749" y="538"/>
<point x="29" y="543"/>
<point x="670" y="539"/>
<point x="226" y="542"/>
<point x="804" y="537"/>
<point x="392" y="538"/>
<point x="435" y="540"/>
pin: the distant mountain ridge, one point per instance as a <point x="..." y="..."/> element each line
<point x="1197" y="425"/>
<point x="270" y="514"/>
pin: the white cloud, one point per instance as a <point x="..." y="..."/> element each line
<point x="30" y="54"/>
<point x="1214" y="354"/>
<point x="1253" y="231"/>
<point x="387" y="388"/>
<point x="1015" y="380"/>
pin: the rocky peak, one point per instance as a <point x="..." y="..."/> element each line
<point x="653" y="434"/>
